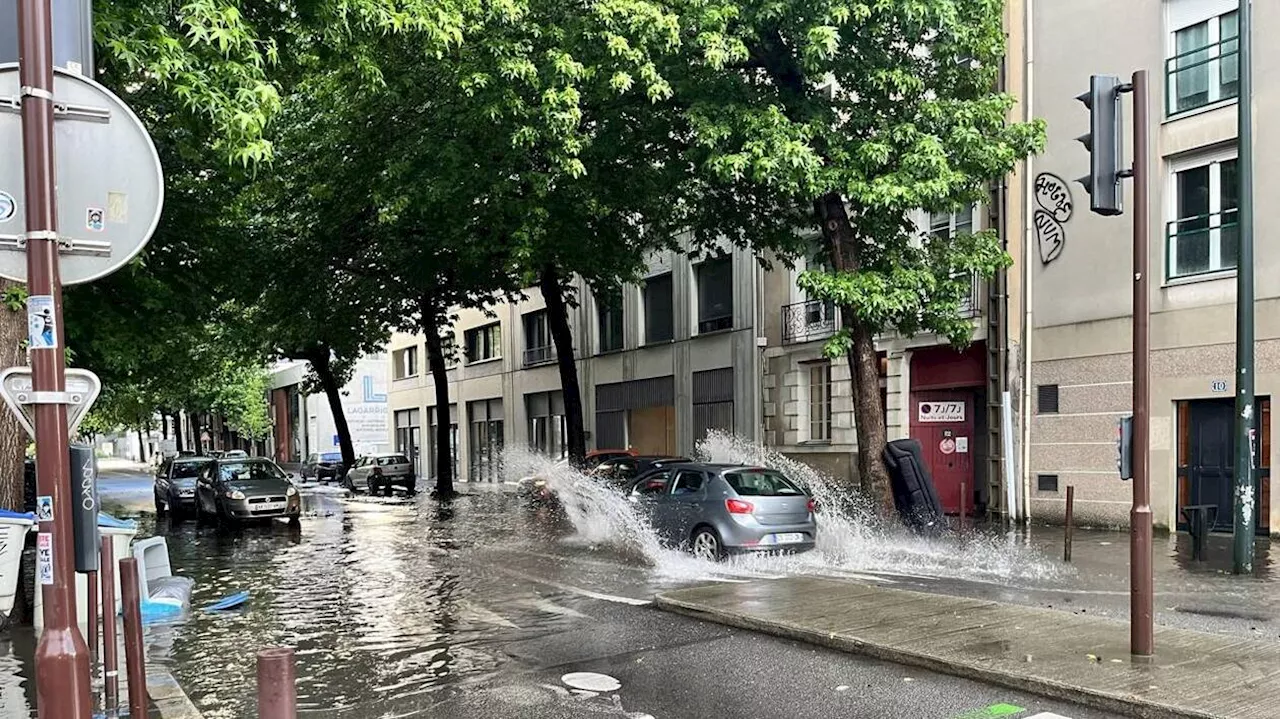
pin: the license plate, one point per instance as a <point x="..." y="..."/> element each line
<point x="788" y="538"/>
<point x="269" y="506"/>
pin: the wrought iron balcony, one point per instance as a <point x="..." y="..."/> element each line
<point x="808" y="321"/>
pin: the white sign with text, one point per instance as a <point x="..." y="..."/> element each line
<point x="940" y="412"/>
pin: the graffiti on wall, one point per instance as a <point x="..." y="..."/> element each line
<point x="1053" y="210"/>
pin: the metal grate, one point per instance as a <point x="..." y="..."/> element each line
<point x="1047" y="399"/>
<point x="1047" y="482"/>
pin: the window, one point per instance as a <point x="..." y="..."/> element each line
<point x="820" y="402"/>
<point x="548" y="428"/>
<point x="762" y="484"/>
<point x="715" y="295"/>
<point x="1047" y="399"/>
<point x="406" y="362"/>
<point x="944" y="226"/>
<point x="486" y="440"/>
<point x="1047" y="482"/>
<point x="433" y="424"/>
<point x="409" y="436"/>
<point x="1205" y="67"/>
<point x="537" y="339"/>
<point x="609" y="315"/>
<point x="1203" y="236"/>
<point x="652" y="485"/>
<point x="687" y="482"/>
<point x="659" y="318"/>
<point x="484" y="343"/>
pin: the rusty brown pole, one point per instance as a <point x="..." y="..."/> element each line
<point x="110" y="646"/>
<point x="277" y="693"/>
<point x="962" y="506"/>
<point x="1069" y="527"/>
<point x="1142" y="585"/>
<point x="92" y="620"/>
<point x="62" y="657"/>
<point x="134" y="661"/>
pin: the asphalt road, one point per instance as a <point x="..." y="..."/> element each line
<point x="399" y="609"/>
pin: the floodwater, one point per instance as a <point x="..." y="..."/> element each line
<point x="398" y="605"/>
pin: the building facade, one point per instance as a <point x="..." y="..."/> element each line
<point x="1081" y="308"/>
<point x="302" y="424"/>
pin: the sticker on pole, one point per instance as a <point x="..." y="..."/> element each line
<point x="44" y="508"/>
<point x="19" y="393"/>
<point x="42" y="329"/>
<point x="44" y="557"/>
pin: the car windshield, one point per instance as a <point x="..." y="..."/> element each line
<point x="331" y="457"/>
<point x="250" y="471"/>
<point x="759" y="483"/>
<point x="186" y="470"/>
<point x="395" y="459"/>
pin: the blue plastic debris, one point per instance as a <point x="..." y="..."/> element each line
<point x="106" y="520"/>
<point x="7" y="514"/>
<point x="228" y="602"/>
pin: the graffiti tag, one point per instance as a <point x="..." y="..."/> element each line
<point x="1053" y="196"/>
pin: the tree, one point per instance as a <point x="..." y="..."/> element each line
<point x="850" y="117"/>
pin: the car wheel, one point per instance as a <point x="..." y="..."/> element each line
<point x="706" y="545"/>
<point x="372" y="488"/>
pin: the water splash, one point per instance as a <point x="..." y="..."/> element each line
<point x="853" y="536"/>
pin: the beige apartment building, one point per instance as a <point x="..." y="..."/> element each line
<point x="1081" y="307"/>
<point x="676" y="358"/>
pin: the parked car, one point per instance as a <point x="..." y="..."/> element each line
<point x="715" y="510"/>
<point x="175" y="485"/>
<point x="236" y="454"/>
<point x="620" y="473"/>
<point x="535" y="486"/>
<point x="323" y="466"/>
<point x="376" y="472"/>
<point x="233" y="490"/>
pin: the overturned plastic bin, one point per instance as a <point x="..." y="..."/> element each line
<point x="14" y="527"/>
<point x="121" y="532"/>
<point x="163" y="594"/>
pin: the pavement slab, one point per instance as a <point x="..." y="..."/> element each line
<point x="1057" y="654"/>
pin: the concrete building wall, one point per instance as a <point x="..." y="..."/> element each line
<point x="1081" y="307"/>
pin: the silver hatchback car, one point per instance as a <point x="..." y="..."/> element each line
<point x="717" y="509"/>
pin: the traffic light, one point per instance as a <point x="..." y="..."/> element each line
<point x="1105" y="143"/>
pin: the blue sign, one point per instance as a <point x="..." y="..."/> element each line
<point x="369" y="394"/>
<point x="335" y="440"/>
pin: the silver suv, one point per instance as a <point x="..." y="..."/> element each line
<point x="382" y="472"/>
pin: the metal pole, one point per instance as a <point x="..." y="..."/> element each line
<point x="962" y="507"/>
<point x="277" y="693"/>
<point x="1244" y="496"/>
<point x="92" y="619"/>
<point x="1142" y="590"/>
<point x="62" y="657"/>
<point x="110" y="646"/>
<point x="134" y="660"/>
<point x="1070" y="525"/>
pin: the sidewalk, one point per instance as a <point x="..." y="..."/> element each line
<point x="1057" y="654"/>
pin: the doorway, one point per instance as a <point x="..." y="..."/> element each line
<point x="943" y="422"/>
<point x="1206" y="461"/>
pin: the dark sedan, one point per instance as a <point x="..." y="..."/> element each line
<point x="175" y="485"/>
<point x="233" y="490"/>
<point x="323" y="467"/>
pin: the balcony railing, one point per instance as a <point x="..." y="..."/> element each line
<point x="1202" y="244"/>
<point x="972" y="305"/>
<point x="534" y="356"/>
<point x="808" y="321"/>
<point x="1203" y="76"/>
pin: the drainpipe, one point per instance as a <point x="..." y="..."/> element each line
<point x="1028" y="247"/>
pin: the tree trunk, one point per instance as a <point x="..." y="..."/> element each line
<point x="558" y="323"/>
<point x="178" y="444"/>
<point x="164" y="426"/>
<point x="864" y="362"/>
<point x="440" y="378"/>
<point x="142" y="447"/>
<point x="320" y="363"/>
<point x="13" y="438"/>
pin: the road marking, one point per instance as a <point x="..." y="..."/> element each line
<point x="578" y="590"/>
<point x="993" y="711"/>
<point x="479" y="613"/>
<point x="549" y="607"/>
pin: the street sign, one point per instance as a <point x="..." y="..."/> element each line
<point x="16" y="388"/>
<point x="110" y="185"/>
<point x="72" y="34"/>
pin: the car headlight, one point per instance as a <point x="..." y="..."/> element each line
<point x="290" y="491"/>
<point x="235" y="494"/>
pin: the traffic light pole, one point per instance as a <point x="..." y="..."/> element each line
<point x="62" y="657"/>
<point x="1141" y="582"/>
<point x="1245" y="497"/>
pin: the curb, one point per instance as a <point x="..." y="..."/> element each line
<point x="1096" y="699"/>
<point x="168" y="697"/>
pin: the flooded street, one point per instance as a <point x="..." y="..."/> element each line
<point x="403" y="607"/>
